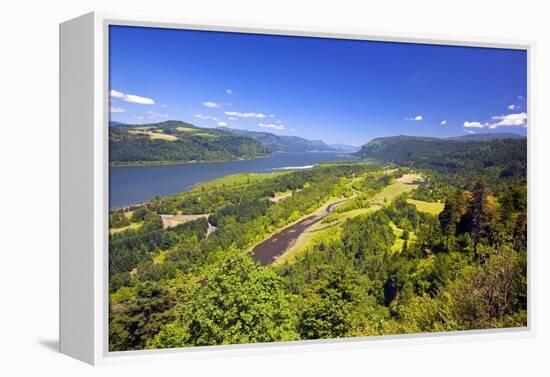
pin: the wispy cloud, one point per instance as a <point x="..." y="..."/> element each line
<point x="416" y="118"/>
<point x="469" y="131"/>
<point x="201" y="116"/>
<point x="512" y="107"/>
<point x="228" y="91"/>
<point x="115" y="109"/>
<point x="139" y="100"/>
<point x="212" y="105"/>
<point x="154" y="115"/>
<point x="473" y="125"/>
<point x="509" y="120"/>
<point x="245" y="115"/>
<point x="116" y="94"/>
<point x="273" y="126"/>
<point x="132" y="98"/>
<point x="443" y="122"/>
<point x="232" y="118"/>
<point x="222" y="124"/>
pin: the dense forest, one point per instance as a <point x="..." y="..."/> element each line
<point x="421" y="238"/>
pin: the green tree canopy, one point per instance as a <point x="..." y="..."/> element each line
<point x="237" y="301"/>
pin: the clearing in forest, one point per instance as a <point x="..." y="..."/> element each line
<point x="169" y="221"/>
<point x="127" y="227"/>
<point x="433" y="208"/>
<point x="153" y="135"/>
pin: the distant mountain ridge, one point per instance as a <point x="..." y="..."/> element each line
<point x="345" y="147"/>
<point x="488" y="136"/>
<point x="283" y="143"/>
<point x="114" y="123"/>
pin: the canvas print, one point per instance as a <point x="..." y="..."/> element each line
<point x="268" y="188"/>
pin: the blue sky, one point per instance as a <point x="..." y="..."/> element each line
<point x="339" y="91"/>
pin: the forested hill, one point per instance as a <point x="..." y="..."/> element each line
<point x="176" y="141"/>
<point x="496" y="159"/>
<point x="486" y="137"/>
<point x="284" y="143"/>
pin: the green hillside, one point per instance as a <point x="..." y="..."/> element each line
<point x="496" y="159"/>
<point x="176" y="141"/>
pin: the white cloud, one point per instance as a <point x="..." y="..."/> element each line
<point x="228" y="91"/>
<point x="131" y="98"/>
<point x="512" y="107"/>
<point x="521" y="98"/>
<point x="416" y="118"/>
<point x="137" y="99"/>
<point x="116" y="94"/>
<point x="200" y="116"/>
<point x="212" y="105"/>
<point x="510" y="120"/>
<point x="469" y="131"/>
<point x="245" y="115"/>
<point x="222" y="124"/>
<point x="271" y="125"/>
<point x="473" y="125"/>
<point x="154" y="115"/>
<point x="232" y="118"/>
<point x="115" y="109"/>
<point x="443" y="122"/>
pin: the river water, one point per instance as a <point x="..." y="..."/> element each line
<point x="135" y="184"/>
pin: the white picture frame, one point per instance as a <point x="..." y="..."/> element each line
<point x="84" y="190"/>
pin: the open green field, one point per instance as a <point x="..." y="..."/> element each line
<point x="185" y="129"/>
<point x="154" y="135"/>
<point x="128" y="227"/>
<point x="433" y="208"/>
<point x="399" y="241"/>
<point x="399" y="187"/>
<point x="237" y="180"/>
<point x="205" y="135"/>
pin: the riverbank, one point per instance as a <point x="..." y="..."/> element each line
<point x="138" y="184"/>
<point x="276" y="244"/>
<point x="169" y="163"/>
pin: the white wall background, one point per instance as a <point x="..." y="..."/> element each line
<point x="29" y="185"/>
